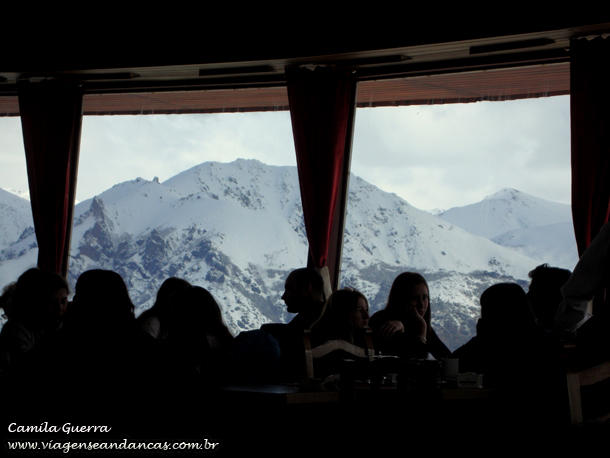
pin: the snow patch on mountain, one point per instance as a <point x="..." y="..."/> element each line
<point x="16" y="217"/>
<point x="534" y="227"/>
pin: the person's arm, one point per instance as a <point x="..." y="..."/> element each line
<point x="388" y="329"/>
<point x="414" y="325"/>
<point x="277" y="330"/>
<point x="589" y="278"/>
<point x="383" y="327"/>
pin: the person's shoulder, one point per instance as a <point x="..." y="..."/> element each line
<point x="380" y="313"/>
<point x="378" y="318"/>
<point x="471" y="349"/>
<point x="306" y="318"/>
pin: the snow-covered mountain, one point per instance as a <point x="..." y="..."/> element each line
<point x="16" y="217"/>
<point x="535" y="227"/>
<point x="237" y="229"/>
<point x="23" y="194"/>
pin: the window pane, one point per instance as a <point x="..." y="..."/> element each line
<point x="18" y="248"/>
<point x="501" y="172"/>
<point x="211" y="198"/>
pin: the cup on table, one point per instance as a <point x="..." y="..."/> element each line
<point x="450" y="368"/>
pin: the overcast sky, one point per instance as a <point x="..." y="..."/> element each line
<point x="435" y="156"/>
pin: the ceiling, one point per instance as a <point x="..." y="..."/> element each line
<point x="188" y="73"/>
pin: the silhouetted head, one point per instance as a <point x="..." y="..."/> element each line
<point x="169" y="287"/>
<point x="194" y="311"/>
<point x="302" y="287"/>
<point x="345" y="311"/>
<point x="6" y="299"/>
<point x="40" y="298"/>
<point x="544" y="293"/>
<point x="410" y="289"/>
<point x="101" y="297"/>
<point x="505" y="310"/>
<point x="161" y="307"/>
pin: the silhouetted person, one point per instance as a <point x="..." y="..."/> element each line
<point x="508" y="349"/>
<point x="198" y="340"/>
<point x="345" y="317"/>
<point x="589" y="279"/>
<point x="99" y="361"/>
<point x="155" y="319"/>
<point x="345" y="314"/>
<point x="204" y="354"/>
<point x="512" y="352"/>
<point x="403" y="328"/>
<point x="303" y="295"/>
<point x="544" y="294"/>
<point x="6" y="299"/>
<point x="35" y="305"/>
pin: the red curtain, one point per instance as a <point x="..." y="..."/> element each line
<point x="590" y="125"/>
<point x="320" y="102"/>
<point x="51" y="118"/>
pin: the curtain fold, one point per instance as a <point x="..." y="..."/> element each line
<point x="320" y="102"/>
<point x="590" y="131"/>
<point x="51" y="119"/>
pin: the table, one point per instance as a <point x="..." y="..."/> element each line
<point x="280" y="394"/>
<point x="291" y="394"/>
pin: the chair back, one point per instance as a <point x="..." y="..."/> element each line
<point x="587" y="359"/>
<point x="335" y="345"/>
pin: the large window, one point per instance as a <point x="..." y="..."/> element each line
<point x="466" y="194"/>
<point x="18" y="249"/>
<point x="211" y="198"/>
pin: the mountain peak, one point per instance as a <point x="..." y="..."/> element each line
<point x="507" y="210"/>
<point x="242" y="161"/>
<point x="505" y="194"/>
<point x="24" y="195"/>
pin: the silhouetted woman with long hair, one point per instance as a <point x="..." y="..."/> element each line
<point x="195" y="316"/>
<point x="403" y="328"/>
<point x="155" y="320"/>
<point x="345" y="315"/>
<point x="104" y="332"/>
<point x="199" y="342"/>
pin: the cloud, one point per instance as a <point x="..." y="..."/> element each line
<point x="440" y="156"/>
<point x="120" y="148"/>
<point x="13" y="172"/>
<point x="435" y="156"/>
